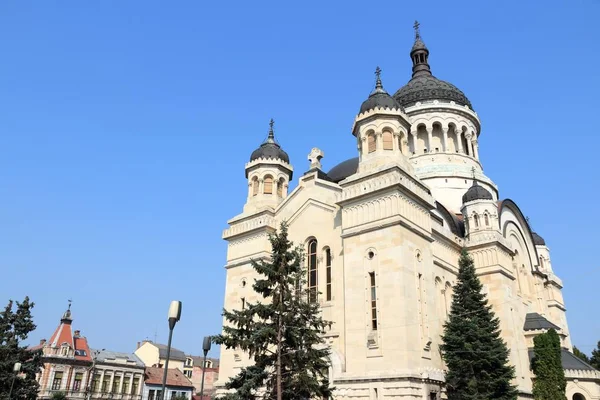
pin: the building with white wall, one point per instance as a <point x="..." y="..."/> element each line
<point x="383" y="232"/>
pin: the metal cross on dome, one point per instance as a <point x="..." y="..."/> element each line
<point x="378" y="72"/>
<point x="416" y="26"/>
<point x="473" y="172"/>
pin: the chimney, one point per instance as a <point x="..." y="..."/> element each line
<point x="138" y="345"/>
<point x="77" y="333"/>
<point x="42" y="342"/>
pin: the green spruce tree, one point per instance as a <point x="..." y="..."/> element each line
<point x="595" y="359"/>
<point x="15" y="326"/>
<point x="549" y="382"/>
<point x="580" y="354"/>
<point x="282" y="333"/>
<point x="476" y="356"/>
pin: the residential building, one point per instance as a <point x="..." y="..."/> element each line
<point x="177" y="384"/>
<point x="116" y="375"/>
<point x="193" y="370"/>
<point x="155" y="354"/>
<point x="383" y="232"/>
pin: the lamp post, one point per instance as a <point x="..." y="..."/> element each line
<point x="174" y="316"/>
<point x="16" y="370"/>
<point x="206" y="348"/>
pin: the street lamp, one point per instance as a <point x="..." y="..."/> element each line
<point x="16" y="370"/>
<point x="206" y="349"/>
<point x="174" y="316"/>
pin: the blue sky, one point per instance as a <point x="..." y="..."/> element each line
<point x="125" y="126"/>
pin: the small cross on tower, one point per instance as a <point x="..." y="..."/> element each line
<point x="416" y="26"/>
<point x="378" y="72"/>
<point x="473" y="172"/>
<point x="314" y="157"/>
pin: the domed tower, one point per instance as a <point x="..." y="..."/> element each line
<point x="443" y="140"/>
<point x="480" y="211"/>
<point x="269" y="173"/>
<point x="381" y="128"/>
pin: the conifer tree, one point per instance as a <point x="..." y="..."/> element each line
<point x="15" y="326"/>
<point x="282" y="333"/>
<point x="595" y="359"/>
<point x="476" y="356"/>
<point x="580" y="354"/>
<point x="549" y="382"/>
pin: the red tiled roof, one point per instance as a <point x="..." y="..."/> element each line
<point x="154" y="376"/>
<point x="82" y="344"/>
<point x="61" y="335"/>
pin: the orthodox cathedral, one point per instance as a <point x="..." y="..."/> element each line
<point x="383" y="233"/>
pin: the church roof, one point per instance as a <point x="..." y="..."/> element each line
<point x="538" y="240"/>
<point x="270" y="149"/>
<point x="343" y="170"/>
<point x="534" y="321"/>
<point x="379" y="98"/>
<point x="423" y="86"/>
<point x="476" y="192"/>
<point x="568" y="360"/>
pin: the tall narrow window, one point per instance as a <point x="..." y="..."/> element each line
<point x="151" y="395"/>
<point x="125" y="387"/>
<point x="476" y="219"/>
<point x="254" y="186"/>
<point x="135" y="386"/>
<point x="95" y="383"/>
<point x="243" y="303"/>
<point x="541" y="262"/>
<point x="115" y="385"/>
<point x="77" y="381"/>
<point x="486" y="219"/>
<point x="57" y="380"/>
<point x="371" y="143"/>
<point x="328" y="273"/>
<point x="280" y="188"/>
<point x="388" y="143"/>
<point x="268" y="182"/>
<point x="312" y="270"/>
<point x="373" y="301"/>
<point x="106" y="383"/>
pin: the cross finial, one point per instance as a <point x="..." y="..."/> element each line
<point x="416" y="26"/>
<point x="473" y="172"/>
<point x="378" y="84"/>
<point x="70" y="301"/>
<point x="271" y="134"/>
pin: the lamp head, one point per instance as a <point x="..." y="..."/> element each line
<point x="175" y="310"/>
<point x="17" y="367"/>
<point x="206" y="344"/>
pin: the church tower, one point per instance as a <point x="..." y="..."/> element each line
<point x="381" y="129"/>
<point x="269" y="173"/>
<point x="480" y="214"/>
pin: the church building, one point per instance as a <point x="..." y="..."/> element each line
<point x="383" y="232"/>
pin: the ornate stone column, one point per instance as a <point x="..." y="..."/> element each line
<point x="469" y="143"/>
<point x="445" y="138"/>
<point x="476" y="148"/>
<point x="379" y="141"/>
<point x="459" y="139"/>
<point x="429" y="139"/>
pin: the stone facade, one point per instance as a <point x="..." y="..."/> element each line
<point x="387" y="237"/>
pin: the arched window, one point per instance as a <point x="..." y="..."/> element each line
<point x="254" y="186"/>
<point x="476" y="220"/>
<point x="312" y="270"/>
<point x="268" y="184"/>
<point x="280" y="187"/>
<point x="487" y="219"/>
<point x="541" y="262"/>
<point x="371" y="145"/>
<point x="208" y="364"/>
<point x="388" y="138"/>
<point x="578" y="396"/>
<point x="328" y="274"/>
<point x="373" y="287"/>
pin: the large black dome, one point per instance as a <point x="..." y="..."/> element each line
<point x="428" y="87"/>
<point x="343" y="170"/>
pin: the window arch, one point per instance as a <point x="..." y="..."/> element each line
<point x="541" y="262"/>
<point x="388" y="143"/>
<point x="371" y="144"/>
<point x="280" y="183"/>
<point x="328" y="274"/>
<point x="268" y="185"/>
<point x="476" y="220"/>
<point x="312" y="270"/>
<point x="487" y="219"/>
<point x="254" y="186"/>
<point x="578" y="396"/>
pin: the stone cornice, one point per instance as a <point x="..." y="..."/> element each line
<point x="437" y="106"/>
<point x="261" y="162"/>
<point x="384" y="223"/>
<point x="379" y="112"/>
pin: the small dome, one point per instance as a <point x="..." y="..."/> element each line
<point x="379" y="98"/>
<point x="270" y="149"/>
<point x="476" y="192"/>
<point x="343" y="170"/>
<point x="428" y="87"/>
<point x="538" y="240"/>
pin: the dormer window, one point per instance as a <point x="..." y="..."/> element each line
<point x="208" y="364"/>
<point x="189" y="362"/>
<point x="64" y="350"/>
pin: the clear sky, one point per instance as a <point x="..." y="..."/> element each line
<point x="125" y="126"/>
